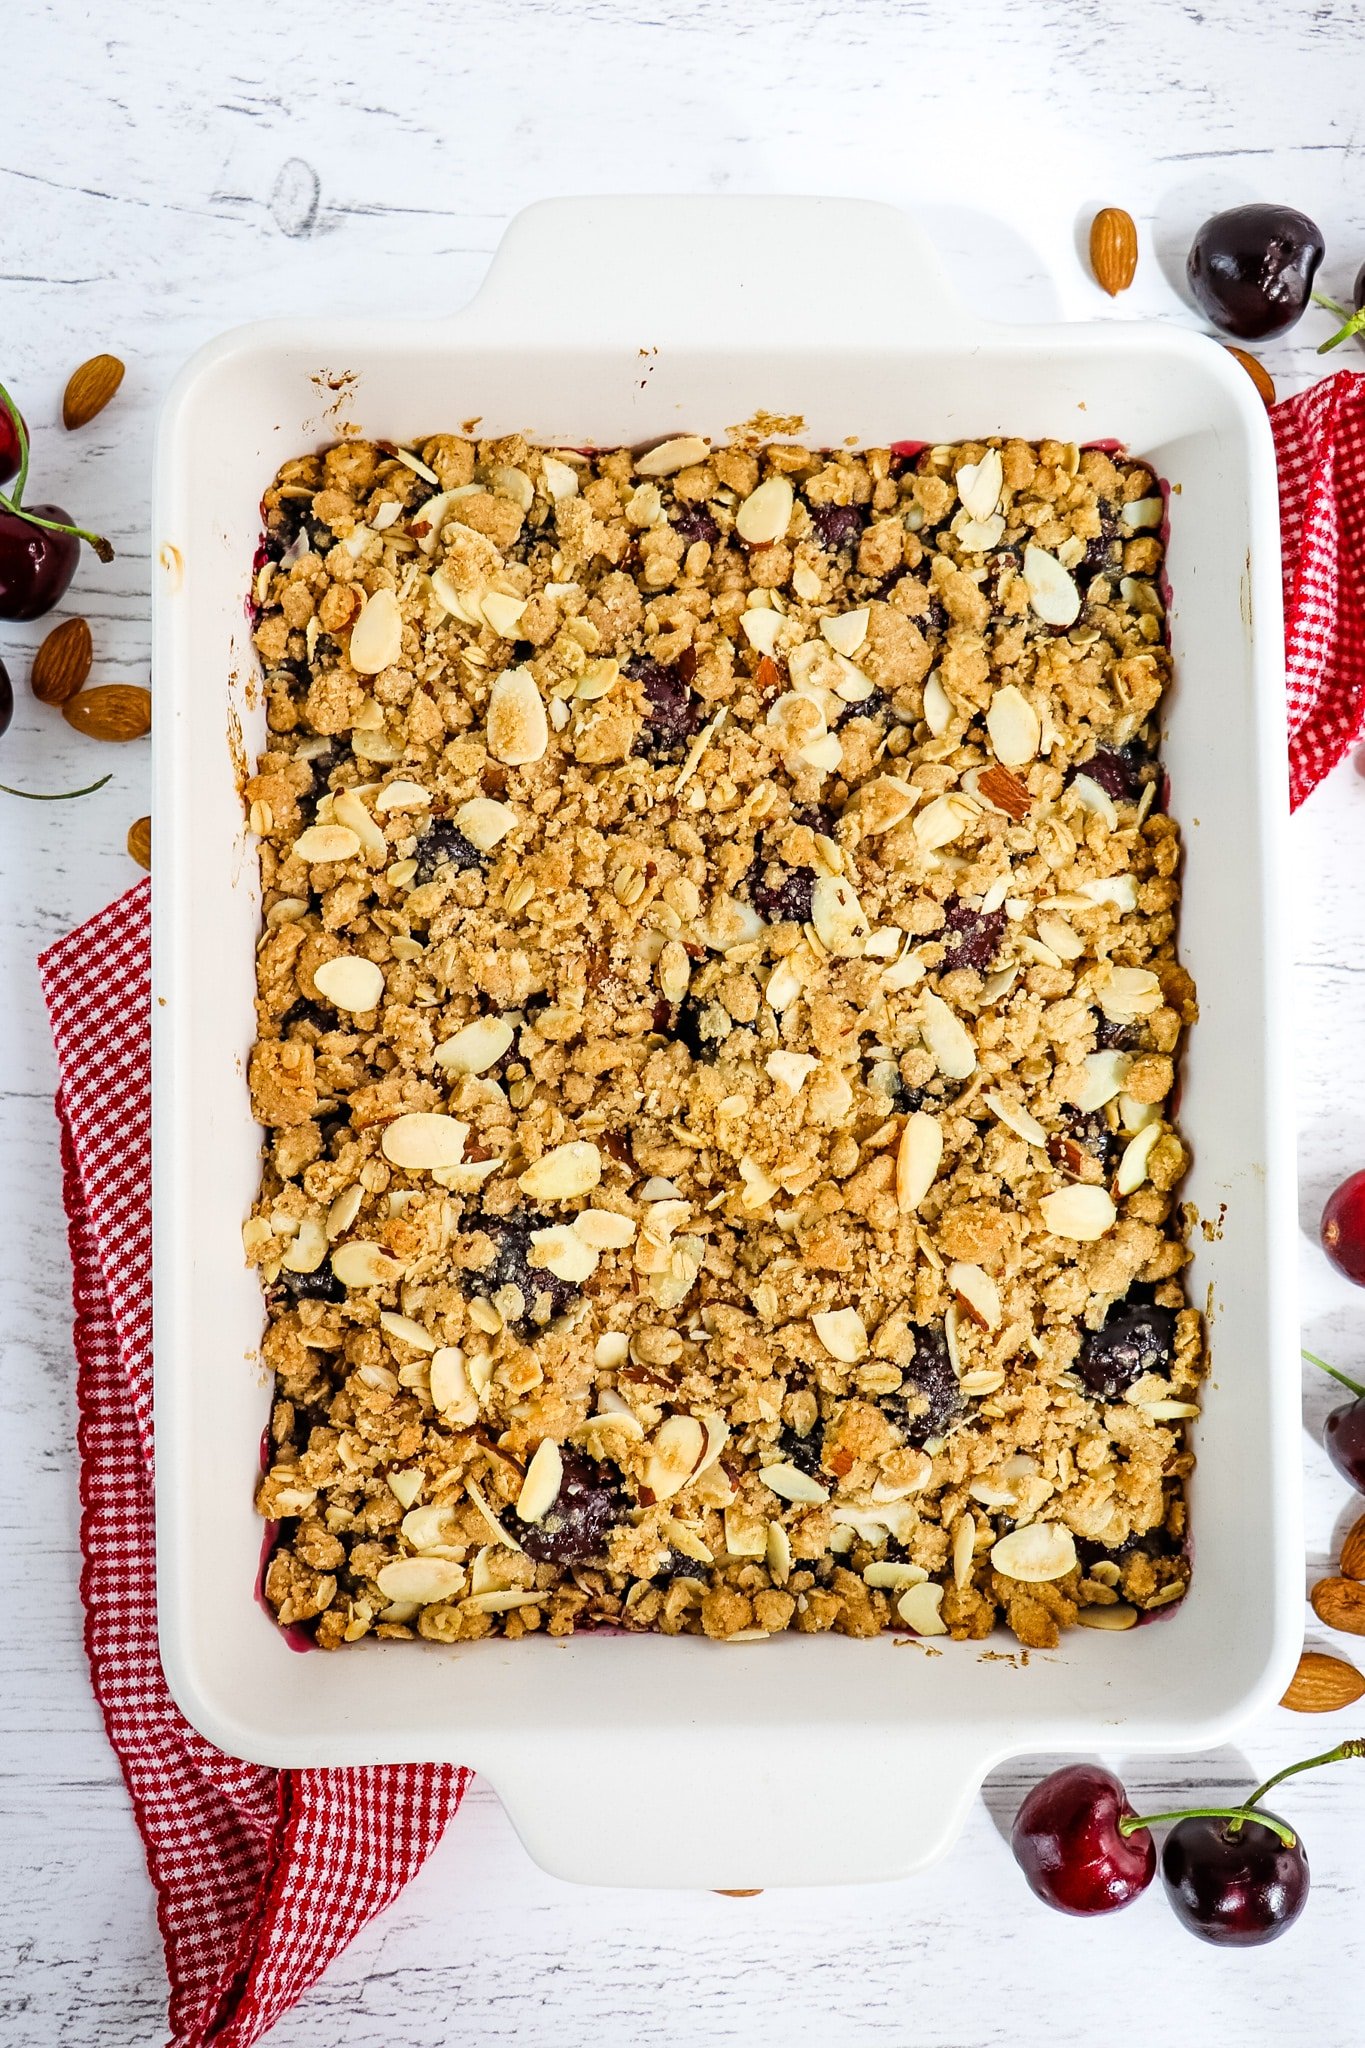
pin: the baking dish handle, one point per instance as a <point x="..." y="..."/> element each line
<point x="717" y="272"/>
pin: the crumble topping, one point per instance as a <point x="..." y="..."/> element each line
<point x="718" y="1009"/>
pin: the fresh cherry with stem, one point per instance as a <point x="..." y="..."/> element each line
<point x="1072" y="1843"/>
<point x="39" y="544"/>
<point x="1343" y="1433"/>
<point x="1238" y="1876"/>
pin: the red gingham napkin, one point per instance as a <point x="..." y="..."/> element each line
<point x="263" y="1876"/>
<point x="1320" y="445"/>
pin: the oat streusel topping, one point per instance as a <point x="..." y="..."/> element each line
<point x="718" y="1011"/>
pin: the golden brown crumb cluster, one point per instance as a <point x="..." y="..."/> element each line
<point x="718" y="1009"/>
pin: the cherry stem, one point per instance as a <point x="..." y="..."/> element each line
<point x="21" y="435"/>
<point x="1351" y="1386"/>
<point x="94" y="540"/>
<point x="1236" y="1814"/>
<point x="61" y="796"/>
<point x="1342" y="1752"/>
<point x="1354" y="323"/>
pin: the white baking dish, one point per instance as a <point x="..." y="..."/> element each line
<point x="656" y="1761"/>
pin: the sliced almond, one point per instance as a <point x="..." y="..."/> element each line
<point x="938" y="705"/>
<point x="943" y="820"/>
<point x="421" y="1579"/>
<point x="842" y="1332"/>
<point x="1105" y="1074"/>
<point x="1094" y="799"/>
<point x="678" y="1447"/>
<point x="779" y="1554"/>
<point x="377" y="635"/>
<point x="1142" y="512"/>
<point x="918" y="1607"/>
<point x="758" y="1187"/>
<point x="604" y="1229"/>
<point x="424" y="1139"/>
<point x="670" y="456"/>
<point x="840" y="922"/>
<point x="979" y="536"/>
<point x="344" y="1210"/>
<point x="502" y="612"/>
<point x="326" y="843"/>
<point x="1136" y="1156"/>
<point x="964" y="1549"/>
<point x="611" y="1349"/>
<point x="307" y="1248"/>
<point x="424" y="1528"/>
<point x="847" y="631"/>
<point x="451" y="1393"/>
<point x="559" y="478"/>
<point x="402" y="796"/>
<point x="1129" y="993"/>
<point x="1035" y="1554"/>
<point x="884" y="803"/>
<point x="484" y="822"/>
<point x="361" y="1264"/>
<point x="563" y="1173"/>
<point x="1014" y="727"/>
<point x="791" y="1069"/>
<point x="918" y="1158"/>
<point x="947" y="1038"/>
<point x="1080" y="1212"/>
<point x="790" y="1483"/>
<point x="1052" y="590"/>
<point x="979" y="484"/>
<point x="760" y="629"/>
<point x="540" y="1487"/>
<point x="517" y="731"/>
<point x="1118" y="1615"/>
<point x="405" y="1486"/>
<point x="977" y="1293"/>
<point x="1015" y="1118"/>
<point x="351" y="982"/>
<point x="893" y="1576"/>
<point x="765" y="513"/>
<point x="561" y="1251"/>
<point x="476" y="1047"/>
<point x="406" y="1331"/>
<point x="783" y="986"/>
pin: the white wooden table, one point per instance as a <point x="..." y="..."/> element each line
<point x="175" y="167"/>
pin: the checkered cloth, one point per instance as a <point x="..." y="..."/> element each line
<point x="1320" y="445"/>
<point x="263" y="1876"/>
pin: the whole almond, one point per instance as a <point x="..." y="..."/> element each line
<point x="1340" y="1603"/>
<point x="1257" y="372"/>
<point x="1323" y="1685"/>
<point x="89" y="390"/>
<point x="1113" y="249"/>
<point x="1353" y="1551"/>
<point x="140" y="842"/>
<point x="116" y="711"/>
<point x="62" y="663"/>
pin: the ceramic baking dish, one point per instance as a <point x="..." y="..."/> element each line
<point x="641" y="1760"/>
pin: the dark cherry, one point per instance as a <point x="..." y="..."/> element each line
<point x="1344" y="1438"/>
<point x="1117" y="771"/>
<point x="702" y="1027"/>
<point x="1086" y="1128"/>
<point x="6" y="699"/>
<point x="1343" y="1228"/>
<point x="511" y="1266"/>
<point x="1234" y="1886"/>
<point x="1066" y="1840"/>
<point x="930" y="1381"/>
<point x="322" y="1285"/>
<point x="445" y="846"/>
<point x="671" y="711"/>
<point x="782" y="895"/>
<point x="972" y="937"/>
<point x="587" y="1507"/>
<point x="805" y="1452"/>
<point x="36" y="565"/>
<point x="837" y="526"/>
<point x="1252" y="268"/>
<point x="10" y="451"/>
<point x="694" y="523"/>
<point x="1137" y="1337"/>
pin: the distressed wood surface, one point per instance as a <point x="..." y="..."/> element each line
<point x="169" y="171"/>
